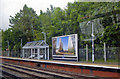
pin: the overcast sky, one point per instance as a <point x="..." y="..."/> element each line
<point x="11" y="7"/>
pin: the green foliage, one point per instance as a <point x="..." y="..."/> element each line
<point x="27" y="25"/>
<point x="25" y="22"/>
<point x="112" y="35"/>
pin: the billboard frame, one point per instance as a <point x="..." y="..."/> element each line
<point x="66" y="57"/>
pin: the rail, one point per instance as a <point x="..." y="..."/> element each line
<point x="33" y="72"/>
<point x="39" y="73"/>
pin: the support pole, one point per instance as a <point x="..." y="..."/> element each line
<point x="48" y="53"/>
<point x="45" y="53"/>
<point x="45" y="45"/>
<point x="23" y="53"/>
<point x="86" y="52"/>
<point x="34" y="53"/>
<point x="104" y="51"/>
<point x="31" y="53"/>
<point x="92" y="43"/>
<point x="38" y="54"/>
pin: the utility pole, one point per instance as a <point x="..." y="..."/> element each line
<point x="104" y="51"/>
<point x="87" y="52"/>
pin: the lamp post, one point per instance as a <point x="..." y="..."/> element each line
<point x="92" y="43"/>
<point x="45" y="42"/>
<point x="92" y="40"/>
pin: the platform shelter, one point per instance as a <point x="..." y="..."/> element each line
<point x="36" y="50"/>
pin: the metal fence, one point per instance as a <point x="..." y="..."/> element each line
<point x="12" y="53"/>
<point x="82" y="54"/>
<point x="112" y="54"/>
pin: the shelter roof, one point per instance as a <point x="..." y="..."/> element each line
<point x="34" y="44"/>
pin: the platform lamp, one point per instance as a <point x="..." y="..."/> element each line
<point x="45" y="42"/>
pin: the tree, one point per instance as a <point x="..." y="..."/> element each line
<point x="111" y="35"/>
<point x="24" y="21"/>
<point x="22" y="25"/>
<point x="27" y="25"/>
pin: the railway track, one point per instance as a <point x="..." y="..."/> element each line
<point x="20" y="72"/>
<point x="10" y="72"/>
<point x="27" y="72"/>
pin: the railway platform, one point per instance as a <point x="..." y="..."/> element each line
<point x="90" y="70"/>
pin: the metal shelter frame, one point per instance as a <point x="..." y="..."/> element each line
<point x="36" y="50"/>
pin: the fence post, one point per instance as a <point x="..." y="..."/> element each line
<point x="86" y="52"/>
<point x="104" y="51"/>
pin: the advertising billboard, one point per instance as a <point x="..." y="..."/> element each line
<point x="65" y="47"/>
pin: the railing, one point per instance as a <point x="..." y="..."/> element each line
<point x="112" y="54"/>
<point x="12" y="53"/>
